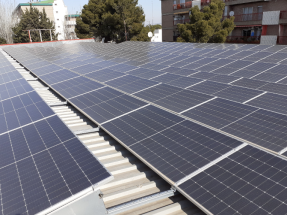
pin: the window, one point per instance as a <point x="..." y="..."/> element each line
<point x="247" y="13"/>
<point x="259" y="12"/>
<point x="225" y="10"/>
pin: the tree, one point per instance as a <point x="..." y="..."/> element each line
<point x="7" y="20"/>
<point x="117" y="20"/>
<point x="2" y="41"/>
<point x="34" y="19"/>
<point x="143" y="35"/>
<point x="206" y="26"/>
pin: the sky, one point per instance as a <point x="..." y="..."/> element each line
<point x="152" y="8"/>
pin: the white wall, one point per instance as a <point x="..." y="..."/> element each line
<point x="60" y="11"/>
<point x="157" y="35"/>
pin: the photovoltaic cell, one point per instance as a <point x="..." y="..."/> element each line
<point x="104" y="75"/>
<point x="76" y="86"/>
<point x="112" y="108"/>
<point x="141" y="124"/>
<point x="33" y="171"/>
<point x="157" y="92"/>
<point x="270" y="101"/>
<point x="223" y="79"/>
<point x="250" y="181"/>
<point x="275" y="88"/>
<point x="182" y="149"/>
<point x="264" y="128"/>
<point x="182" y="100"/>
<point x="209" y="87"/>
<point x="265" y="76"/>
<point x="238" y="94"/>
<point x="219" y="112"/>
<point x="249" y="83"/>
<point x="58" y="76"/>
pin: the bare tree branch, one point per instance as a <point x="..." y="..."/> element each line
<point x="7" y="19"/>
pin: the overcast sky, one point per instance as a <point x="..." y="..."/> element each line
<point x="77" y="5"/>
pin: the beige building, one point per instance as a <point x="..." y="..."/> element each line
<point x="70" y="24"/>
<point x="55" y="9"/>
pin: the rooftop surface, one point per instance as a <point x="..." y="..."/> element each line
<point x="209" y="119"/>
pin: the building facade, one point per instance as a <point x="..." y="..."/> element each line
<point x="70" y="24"/>
<point x="55" y="9"/>
<point x="256" y="21"/>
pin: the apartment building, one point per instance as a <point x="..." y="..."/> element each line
<point x="70" y="24"/>
<point x="55" y="9"/>
<point x="256" y="21"/>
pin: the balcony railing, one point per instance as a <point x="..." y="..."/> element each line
<point x="282" y="40"/>
<point x="246" y="17"/>
<point x="182" y="5"/>
<point x="181" y="21"/>
<point x="243" y="39"/>
<point x="283" y="14"/>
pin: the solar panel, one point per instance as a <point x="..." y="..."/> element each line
<point x="238" y="94"/>
<point x="141" y="124"/>
<point x="76" y="86"/>
<point x="209" y="87"/>
<point x="245" y="73"/>
<point x="86" y="69"/>
<point x="275" y="88"/>
<point x="270" y="101"/>
<point x="104" y="75"/>
<point x="182" y="100"/>
<point x="157" y="92"/>
<point x="249" y="83"/>
<point x="58" y="76"/>
<point x="137" y="86"/>
<point x="184" y="82"/>
<point x="264" y="128"/>
<point x="39" y="171"/>
<point x="223" y="79"/>
<point x="111" y="108"/>
<point x="203" y="75"/>
<point x="219" y="113"/>
<point x="265" y="76"/>
<point x="166" y="78"/>
<point x="182" y="149"/>
<point x="247" y="182"/>
<point x="14" y="88"/>
<point x="95" y="97"/>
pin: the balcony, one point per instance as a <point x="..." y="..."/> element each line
<point x="246" y="17"/>
<point x="234" y="2"/>
<point x="282" y="40"/>
<point x="181" y="21"/>
<point x="70" y="22"/>
<point x="182" y="5"/>
<point x="243" y="39"/>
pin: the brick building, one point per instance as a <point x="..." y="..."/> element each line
<point x="256" y="21"/>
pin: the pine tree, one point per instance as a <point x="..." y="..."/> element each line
<point x="33" y="19"/>
<point x="206" y="25"/>
<point x="116" y="20"/>
<point x="143" y="35"/>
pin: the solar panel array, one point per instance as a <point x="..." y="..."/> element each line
<point x="42" y="162"/>
<point x="188" y="110"/>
